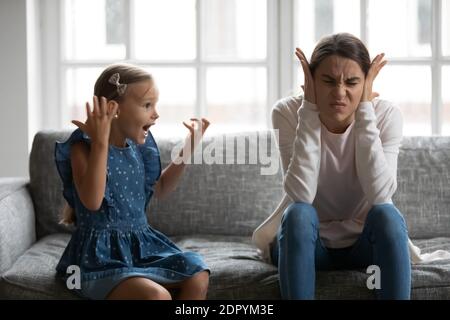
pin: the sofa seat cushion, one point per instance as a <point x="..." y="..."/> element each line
<point x="236" y="272"/>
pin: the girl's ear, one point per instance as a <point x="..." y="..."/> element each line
<point x="111" y="105"/>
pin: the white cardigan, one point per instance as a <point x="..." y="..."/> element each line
<point x="378" y="133"/>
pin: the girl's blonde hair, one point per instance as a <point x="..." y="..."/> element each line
<point x="103" y="87"/>
<point x="68" y="216"/>
<point x="128" y="74"/>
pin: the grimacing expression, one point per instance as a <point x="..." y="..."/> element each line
<point x="339" y="84"/>
<point x="138" y="110"/>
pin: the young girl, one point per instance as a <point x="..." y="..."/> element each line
<point x="110" y="167"/>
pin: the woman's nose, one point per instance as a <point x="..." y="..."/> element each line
<point x="339" y="91"/>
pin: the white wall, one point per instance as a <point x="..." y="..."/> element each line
<point x="18" y="89"/>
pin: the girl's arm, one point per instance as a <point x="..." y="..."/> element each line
<point x="302" y="174"/>
<point x="172" y="174"/>
<point x="89" y="173"/>
<point x="169" y="179"/>
<point x="89" y="163"/>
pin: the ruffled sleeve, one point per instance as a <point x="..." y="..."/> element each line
<point x="152" y="164"/>
<point x="64" y="166"/>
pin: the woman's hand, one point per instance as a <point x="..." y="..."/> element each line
<point x="308" y="87"/>
<point x="377" y="64"/>
<point x="98" y="123"/>
<point x="196" y="129"/>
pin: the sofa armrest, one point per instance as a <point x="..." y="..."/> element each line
<point x="17" y="221"/>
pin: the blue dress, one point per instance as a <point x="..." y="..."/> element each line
<point x="116" y="242"/>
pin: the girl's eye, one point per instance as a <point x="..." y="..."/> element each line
<point x="351" y="84"/>
<point x="148" y="105"/>
<point x="329" y="81"/>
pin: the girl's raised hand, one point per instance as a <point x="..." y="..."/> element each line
<point x="98" y="123"/>
<point x="196" y="129"/>
<point x="308" y="86"/>
<point x="377" y="64"/>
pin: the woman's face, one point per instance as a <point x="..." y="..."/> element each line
<point x="339" y="84"/>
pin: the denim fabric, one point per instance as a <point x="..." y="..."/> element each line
<point x="298" y="252"/>
<point x="116" y="241"/>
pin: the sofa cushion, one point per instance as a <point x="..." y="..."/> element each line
<point x="423" y="188"/>
<point x="234" y="198"/>
<point x="45" y="184"/>
<point x="236" y="272"/>
<point x="237" y="193"/>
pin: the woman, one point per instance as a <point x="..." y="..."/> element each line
<point x="339" y="147"/>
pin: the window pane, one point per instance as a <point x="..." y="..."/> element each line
<point x="177" y="90"/>
<point x="236" y="97"/>
<point x="401" y="28"/>
<point x="317" y="18"/>
<point x="446" y="27"/>
<point x="410" y="88"/>
<point x="94" y="29"/>
<point x="164" y="30"/>
<point x="79" y="90"/>
<point x="446" y="100"/>
<point x="235" y="29"/>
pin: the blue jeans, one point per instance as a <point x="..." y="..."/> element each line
<point x="298" y="252"/>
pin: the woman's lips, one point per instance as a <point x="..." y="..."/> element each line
<point x="338" y="105"/>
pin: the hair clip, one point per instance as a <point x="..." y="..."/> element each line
<point x="121" y="87"/>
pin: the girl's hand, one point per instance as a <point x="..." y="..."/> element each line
<point x="98" y="123"/>
<point x="377" y="64"/>
<point x="308" y="87"/>
<point x="196" y="129"/>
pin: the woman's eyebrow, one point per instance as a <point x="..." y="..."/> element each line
<point x="353" y="79"/>
<point x="328" y="77"/>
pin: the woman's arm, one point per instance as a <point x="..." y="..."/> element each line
<point x="377" y="152"/>
<point x="301" y="178"/>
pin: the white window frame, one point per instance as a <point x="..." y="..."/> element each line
<point x="435" y="62"/>
<point x="56" y="66"/>
<point x="280" y="61"/>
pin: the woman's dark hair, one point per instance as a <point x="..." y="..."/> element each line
<point x="345" y="45"/>
<point x="128" y="74"/>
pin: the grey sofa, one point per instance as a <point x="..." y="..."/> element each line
<point x="214" y="211"/>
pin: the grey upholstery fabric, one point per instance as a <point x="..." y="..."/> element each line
<point x="243" y="198"/>
<point x="423" y="186"/>
<point x="236" y="272"/>
<point x="17" y="225"/>
<point x="45" y="184"/>
<point x="213" y="211"/>
<point x="227" y="199"/>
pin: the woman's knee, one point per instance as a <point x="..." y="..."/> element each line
<point x="299" y="216"/>
<point x="387" y="220"/>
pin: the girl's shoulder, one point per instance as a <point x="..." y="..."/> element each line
<point x="63" y="161"/>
